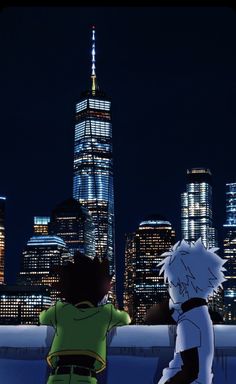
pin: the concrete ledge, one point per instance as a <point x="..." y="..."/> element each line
<point x="139" y="352"/>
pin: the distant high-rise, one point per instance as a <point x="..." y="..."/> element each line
<point x="230" y="255"/>
<point x="93" y="164"/>
<point x="197" y="218"/>
<point x="74" y="224"/>
<point x="143" y="286"/>
<point x="41" y="225"/>
<point x="230" y="206"/>
<point x="40" y="256"/>
<point x="196" y="207"/>
<point x="2" y="238"/>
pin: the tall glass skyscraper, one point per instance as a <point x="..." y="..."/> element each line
<point x="2" y="238"/>
<point x="143" y="285"/>
<point x="196" y="207"/>
<point x="93" y="164"/>
<point x="197" y="218"/>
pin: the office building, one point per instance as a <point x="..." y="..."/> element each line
<point x="197" y="218"/>
<point x="93" y="163"/>
<point x="143" y="286"/>
<point x="22" y="304"/>
<point x="230" y="255"/>
<point x="196" y="207"/>
<point x="2" y="238"/>
<point x="40" y="256"/>
<point x="230" y="224"/>
<point x="74" y="224"/>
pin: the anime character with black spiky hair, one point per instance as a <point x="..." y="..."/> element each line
<point x="81" y="321"/>
<point x="192" y="272"/>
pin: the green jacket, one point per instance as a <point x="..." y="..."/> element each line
<point x="81" y="331"/>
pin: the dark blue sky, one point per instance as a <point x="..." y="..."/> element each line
<point x="171" y="75"/>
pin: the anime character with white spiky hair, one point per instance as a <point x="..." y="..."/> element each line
<point x="192" y="272"/>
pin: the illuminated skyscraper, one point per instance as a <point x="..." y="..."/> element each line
<point x="196" y="218"/>
<point x="230" y="275"/>
<point x="230" y="255"/>
<point x="93" y="165"/>
<point x="2" y="238"/>
<point x="40" y="256"/>
<point x="196" y="207"/>
<point x="230" y="207"/>
<point x="143" y="286"/>
<point x="74" y="224"/>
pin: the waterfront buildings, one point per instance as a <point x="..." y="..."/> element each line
<point x="143" y="286"/>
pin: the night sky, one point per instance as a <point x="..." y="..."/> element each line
<point x="170" y="73"/>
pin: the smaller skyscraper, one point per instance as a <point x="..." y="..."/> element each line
<point x="196" y="207"/>
<point x="230" y="255"/>
<point x="197" y="218"/>
<point x="40" y="256"/>
<point x="74" y="224"/>
<point x="2" y="238"/>
<point x="143" y="286"/>
<point x="230" y="207"/>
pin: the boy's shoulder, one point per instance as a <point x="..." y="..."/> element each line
<point x="59" y="304"/>
<point x="106" y="307"/>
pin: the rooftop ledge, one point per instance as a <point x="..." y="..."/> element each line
<point x="140" y="352"/>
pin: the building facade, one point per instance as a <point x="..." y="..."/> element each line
<point x="93" y="163"/>
<point x="22" y="305"/>
<point x="143" y="287"/>
<point x="40" y="256"/>
<point x="196" y="207"/>
<point x="197" y="218"/>
<point x="230" y="207"/>
<point x="230" y="255"/>
<point x="41" y="225"/>
<point x="2" y="238"/>
<point x="74" y="224"/>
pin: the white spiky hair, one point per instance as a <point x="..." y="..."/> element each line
<point x="193" y="267"/>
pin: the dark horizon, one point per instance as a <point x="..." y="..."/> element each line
<point x="170" y="73"/>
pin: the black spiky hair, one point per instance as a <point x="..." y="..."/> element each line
<point x="86" y="279"/>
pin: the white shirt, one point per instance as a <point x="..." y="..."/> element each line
<point x="194" y="329"/>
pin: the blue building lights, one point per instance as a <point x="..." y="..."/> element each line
<point x="93" y="164"/>
<point x="230" y="205"/>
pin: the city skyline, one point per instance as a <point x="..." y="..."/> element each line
<point x="172" y="99"/>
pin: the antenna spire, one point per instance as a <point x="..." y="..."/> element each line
<point x="93" y="74"/>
